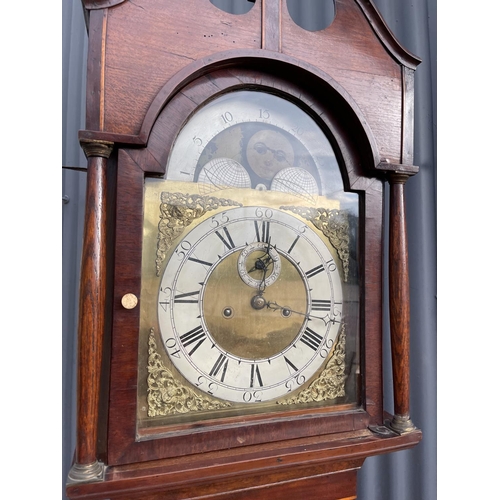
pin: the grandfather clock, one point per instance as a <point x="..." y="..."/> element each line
<point x="230" y="319"/>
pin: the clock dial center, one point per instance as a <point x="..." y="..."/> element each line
<point x="247" y="328"/>
<point x="258" y="302"/>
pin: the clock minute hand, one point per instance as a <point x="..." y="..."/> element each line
<point x="262" y="285"/>
<point x="276" y="307"/>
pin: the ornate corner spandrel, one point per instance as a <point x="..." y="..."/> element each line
<point x="330" y="384"/>
<point x="168" y="396"/>
<point x="334" y="224"/>
<point x="178" y="211"/>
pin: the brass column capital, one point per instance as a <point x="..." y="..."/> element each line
<point x="92" y="147"/>
<point x="398" y="177"/>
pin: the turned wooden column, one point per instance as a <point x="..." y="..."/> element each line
<point x="399" y="303"/>
<point x="91" y="319"/>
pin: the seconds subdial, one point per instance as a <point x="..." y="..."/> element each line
<point x="259" y="265"/>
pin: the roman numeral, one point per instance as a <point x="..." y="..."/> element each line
<point x="262" y="233"/>
<point x="221" y="363"/>
<point x="229" y="242"/>
<point x="255" y="376"/>
<point x="195" y="335"/>
<point x="311" y="339"/>
<point x="314" y="271"/>
<point x="289" y="365"/>
<point x="204" y="262"/>
<point x="180" y="299"/>
<point x="293" y="244"/>
<point x="321" y="305"/>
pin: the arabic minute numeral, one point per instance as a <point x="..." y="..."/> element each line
<point x="295" y="381"/>
<point x="223" y="219"/>
<point x="264" y="213"/>
<point x="211" y="386"/>
<point x="227" y="117"/>
<point x="252" y="396"/>
<point x="264" y="113"/>
<point x="183" y="248"/>
<point x="171" y="344"/>
<point x="331" y="265"/>
<point x="326" y="349"/>
<point x="164" y="304"/>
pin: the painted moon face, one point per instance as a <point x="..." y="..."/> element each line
<point x="268" y="152"/>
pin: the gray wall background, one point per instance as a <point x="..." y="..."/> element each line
<point x="405" y="475"/>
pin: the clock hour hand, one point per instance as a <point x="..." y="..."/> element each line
<point x="286" y="311"/>
<point x="262" y="263"/>
<point x="261" y="274"/>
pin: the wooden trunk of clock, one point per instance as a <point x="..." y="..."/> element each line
<point x="180" y="95"/>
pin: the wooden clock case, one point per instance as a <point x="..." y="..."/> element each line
<point x="151" y="64"/>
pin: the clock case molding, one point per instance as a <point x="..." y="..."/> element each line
<point x="151" y="64"/>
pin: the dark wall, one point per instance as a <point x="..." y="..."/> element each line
<point x="406" y="475"/>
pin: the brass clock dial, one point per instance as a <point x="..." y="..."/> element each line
<point x="241" y="342"/>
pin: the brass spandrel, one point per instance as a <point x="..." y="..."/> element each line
<point x="169" y="396"/>
<point x="177" y="212"/>
<point x="330" y="383"/>
<point x="334" y="224"/>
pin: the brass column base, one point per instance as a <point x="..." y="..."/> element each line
<point x="401" y="424"/>
<point x="86" y="473"/>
